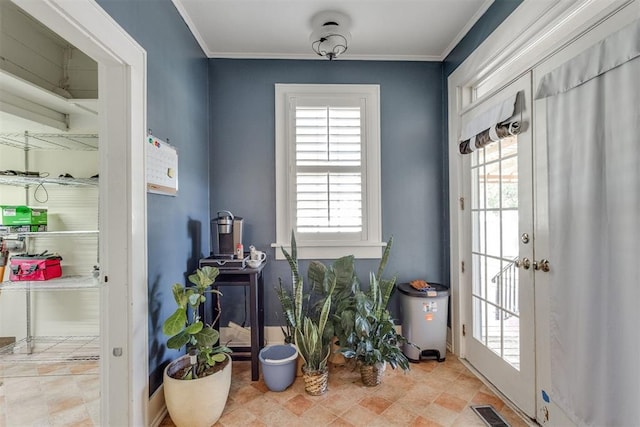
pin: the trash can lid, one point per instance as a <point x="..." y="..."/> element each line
<point x="434" y="290"/>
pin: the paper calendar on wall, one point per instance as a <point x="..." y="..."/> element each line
<point x="162" y="167"/>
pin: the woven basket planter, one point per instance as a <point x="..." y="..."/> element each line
<point x="372" y="374"/>
<point x="315" y="382"/>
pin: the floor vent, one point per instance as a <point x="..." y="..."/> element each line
<point x="489" y="415"/>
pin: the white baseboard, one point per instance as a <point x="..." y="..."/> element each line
<point x="157" y="410"/>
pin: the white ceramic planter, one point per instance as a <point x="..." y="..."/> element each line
<point x="196" y="403"/>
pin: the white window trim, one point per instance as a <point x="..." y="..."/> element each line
<point x="329" y="249"/>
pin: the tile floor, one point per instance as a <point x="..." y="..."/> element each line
<point x="431" y="394"/>
<point x="50" y="394"/>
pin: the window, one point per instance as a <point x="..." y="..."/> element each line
<point x="328" y="170"/>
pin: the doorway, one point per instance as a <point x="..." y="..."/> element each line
<point x="498" y="228"/>
<point x="122" y="198"/>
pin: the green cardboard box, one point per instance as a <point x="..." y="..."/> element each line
<point x="38" y="216"/>
<point x="22" y="215"/>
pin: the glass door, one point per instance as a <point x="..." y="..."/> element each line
<point x="499" y="325"/>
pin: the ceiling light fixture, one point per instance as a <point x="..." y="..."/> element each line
<point x="330" y="36"/>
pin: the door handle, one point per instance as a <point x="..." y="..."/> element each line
<point x="542" y="265"/>
<point x="524" y="263"/>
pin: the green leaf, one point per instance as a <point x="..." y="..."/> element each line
<point x="194" y="298"/>
<point x="179" y="295"/>
<point x="175" y="323"/>
<point x="178" y="341"/>
<point x="316" y="275"/>
<point x="344" y="269"/>
<point x="324" y="314"/>
<point x="194" y="328"/>
<point x="219" y="357"/>
<point x="385" y="258"/>
<point x="207" y="337"/>
<point x="362" y="327"/>
<point x="301" y="344"/>
<point x="386" y="289"/>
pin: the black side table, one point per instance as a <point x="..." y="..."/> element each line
<point x="253" y="278"/>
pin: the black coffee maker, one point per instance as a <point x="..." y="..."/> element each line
<point x="226" y="233"/>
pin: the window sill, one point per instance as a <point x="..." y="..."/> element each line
<point x="332" y="251"/>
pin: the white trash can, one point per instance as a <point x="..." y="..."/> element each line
<point x="424" y="321"/>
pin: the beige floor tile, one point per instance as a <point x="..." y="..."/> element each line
<point x="375" y="404"/>
<point x="431" y="394"/>
<point x="398" y="414"/>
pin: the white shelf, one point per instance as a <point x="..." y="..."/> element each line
<point x="71" y="233"/>
<point x="71" y="349"/>
<point x="51" y="141"/>
<point x="34" y="180"/>
<point x="69" y="283"/>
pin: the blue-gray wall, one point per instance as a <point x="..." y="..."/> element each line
<point x="242" y="157"/>
<point x="488" y="22"/>
<point x="177" y="109"/>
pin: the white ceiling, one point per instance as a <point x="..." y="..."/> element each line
<point x="419" y="30"/>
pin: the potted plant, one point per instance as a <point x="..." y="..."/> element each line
<point x="196" y="385"/>
<point x="307" y="324"/>
<point x="368" y="331"/>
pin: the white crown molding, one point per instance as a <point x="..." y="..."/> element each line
<point x="311" y="56"/>
<point x="463" y="32"/>
<point x="192" y="27"/>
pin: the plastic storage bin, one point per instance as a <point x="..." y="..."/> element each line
<point x="278" y="364"/>
<point x="424" y="321"/>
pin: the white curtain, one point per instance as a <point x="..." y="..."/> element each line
<point x="593" y="136"/>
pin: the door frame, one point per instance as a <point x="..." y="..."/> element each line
<point x="123" y="248"/>
<point x="500" y="59"/>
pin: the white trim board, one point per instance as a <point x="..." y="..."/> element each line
<point x="122" y="124"/>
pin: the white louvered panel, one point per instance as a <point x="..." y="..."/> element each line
<point x="328" y="136"/>
<point x="329" y="202"/>
<point x="328" y="177"/>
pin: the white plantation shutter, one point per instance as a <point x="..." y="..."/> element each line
<point x="328" y="170"/>
<point x="328" y="167"/>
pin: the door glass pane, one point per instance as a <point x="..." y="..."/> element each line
<point x="478" y="274"/>
<point x="493" y="233"/>
<point x="510" y="237"/>
<point x="495" y="238"/>
<point x="509" y="182"/>
<point x="492" y="182"/>
<point x="493" y="274"/>
<point x="494" y="329"/>
<point x="478" y="243"/>
<point x="479" y="328"/>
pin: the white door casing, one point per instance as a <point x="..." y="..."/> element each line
<point x="123" y="261"/>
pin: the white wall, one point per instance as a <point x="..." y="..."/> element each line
<point x="37" y="55"/>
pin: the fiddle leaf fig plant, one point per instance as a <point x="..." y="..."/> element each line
<point x="186" y="328"/>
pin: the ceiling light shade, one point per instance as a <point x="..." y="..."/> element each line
<point x="330" y="37"/>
